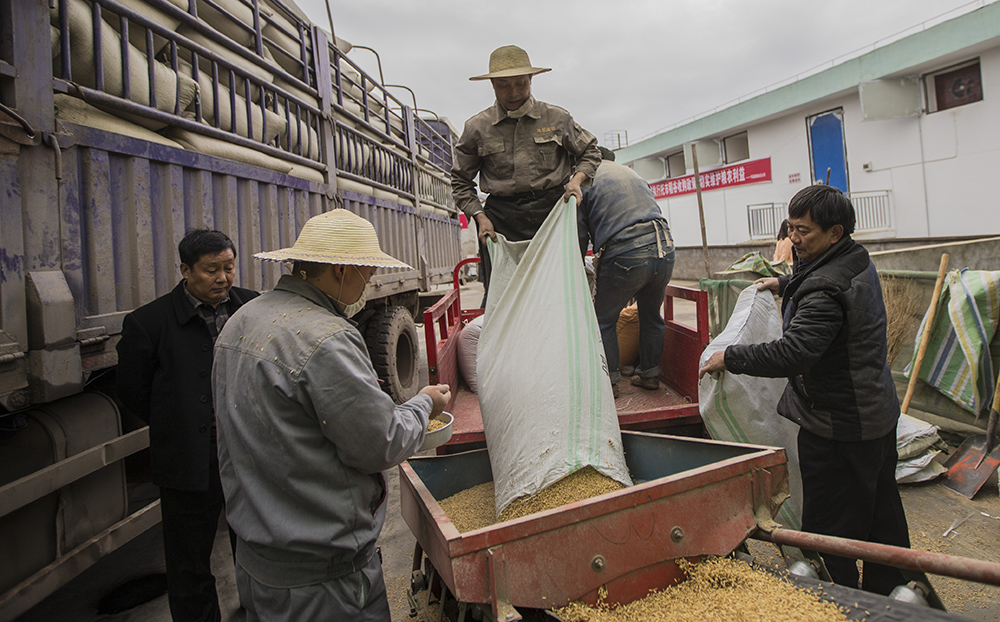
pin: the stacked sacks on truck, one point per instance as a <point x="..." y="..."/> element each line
<point x="231" y="94"/>
<point x="173" y="91"/>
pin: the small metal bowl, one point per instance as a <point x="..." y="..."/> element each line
<point x="439" y="436"/>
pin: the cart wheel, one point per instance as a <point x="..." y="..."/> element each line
<point x="391" y="337"/>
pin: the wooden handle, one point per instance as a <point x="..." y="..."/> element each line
<point x="996" y="395"/>
<point x="931" y="312"/>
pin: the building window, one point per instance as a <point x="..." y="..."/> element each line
<point x="675" y="165"/>
<point x="737" y="148"/>
<point x="955" y="86"/>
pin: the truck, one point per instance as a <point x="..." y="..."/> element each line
<point x="124" y="123"/>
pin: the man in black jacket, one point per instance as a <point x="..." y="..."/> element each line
<point x="164" y="377"/>
<point x="840" y="390"/>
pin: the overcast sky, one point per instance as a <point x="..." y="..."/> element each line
<point x="617" y="65"/>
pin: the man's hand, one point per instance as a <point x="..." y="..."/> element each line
<point x="440" y="394"/>
<point x="575" y="188"/>
<point x="770" y="283"/>
<point x="716" y="362"/>
<point x="485" y="227"/>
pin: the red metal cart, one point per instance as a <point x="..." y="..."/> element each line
<point x="674" y="409"/>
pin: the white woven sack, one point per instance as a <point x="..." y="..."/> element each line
<point x="544" y="390"/>
<point x="468" y="348"/>
<point x="742" y="408"/>
<point x="169" y="86"/>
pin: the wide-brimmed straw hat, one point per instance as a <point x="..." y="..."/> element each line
<point x="509" y="61"/>
<point x="339" y="237"/>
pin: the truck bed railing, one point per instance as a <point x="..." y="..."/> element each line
<point x="267" y="95"/>
<point x="682" y="342"/>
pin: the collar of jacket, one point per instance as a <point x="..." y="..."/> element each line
<point x="185" y="310"/>
<point x="288" y="283"/>
<point x="500" y="113"/>
<point x="844" y="246"/>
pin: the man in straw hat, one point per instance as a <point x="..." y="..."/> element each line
<point x="305" y="432"/>
<point x="527" y="154"/>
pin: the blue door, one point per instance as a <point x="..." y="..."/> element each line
<point x="827" y="149"/>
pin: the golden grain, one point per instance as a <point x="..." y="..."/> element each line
<point x="475" y="508"/>
<point x="717" y="589"/>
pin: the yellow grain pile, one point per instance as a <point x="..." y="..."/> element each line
<point x="583" y="484"/>
<point x="475" y="507"/>
<point x="435" y="424"/>
<point x="719" y="590"/>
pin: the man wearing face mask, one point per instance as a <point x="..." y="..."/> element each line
<point x="528" y="154"/>
<point x="305" y="432"/>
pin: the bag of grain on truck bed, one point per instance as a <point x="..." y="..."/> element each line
<point x="742" y="408"/>
<point x="544" y="389"/>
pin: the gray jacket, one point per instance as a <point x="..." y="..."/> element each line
<point x="304" y="433"/>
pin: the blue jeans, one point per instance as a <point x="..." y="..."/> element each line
<point x="640" y="274"/>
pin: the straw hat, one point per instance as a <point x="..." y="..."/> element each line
<point x="509" y="61"/>
<point x="339" y="237"/>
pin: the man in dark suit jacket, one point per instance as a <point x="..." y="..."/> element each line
<point x="164" y="377"/>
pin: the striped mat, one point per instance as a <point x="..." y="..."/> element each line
<point x="957" y="361"/>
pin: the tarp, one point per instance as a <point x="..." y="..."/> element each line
<point x="957" y="361"/>
<point x="757" y="263"/>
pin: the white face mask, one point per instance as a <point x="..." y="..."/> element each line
<point x="355" y="307"/>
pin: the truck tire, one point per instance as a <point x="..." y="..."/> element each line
<point x="391" y="337"/>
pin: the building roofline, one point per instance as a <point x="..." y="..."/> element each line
<point x="963" y="32"/>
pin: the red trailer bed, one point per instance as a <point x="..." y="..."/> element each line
<point x="672" y="408"/>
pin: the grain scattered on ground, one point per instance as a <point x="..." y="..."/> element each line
<point x="719" y="590"/>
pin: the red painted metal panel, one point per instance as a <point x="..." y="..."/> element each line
<point x="549" y="556"/>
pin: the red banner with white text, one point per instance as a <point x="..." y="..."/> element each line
<point x="750" y="172"/>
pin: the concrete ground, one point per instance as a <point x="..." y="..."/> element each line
<point x="930" y="508"/>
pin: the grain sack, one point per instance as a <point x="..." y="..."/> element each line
<point x="235" y="19"/>
<point x="742" y="408"/>
<point x="75" y="110"/>
<point x="915" y="452"/>
<point x="468" y="346"/>
<point x="276" y="123"/>
<point x="224" y="149"/>
<point x="170" y="86"/>
<point x="305" y="172"/>
<point x="544" y="392"/>
<point x="628" y="336"/>
<point x="256" y="70"/>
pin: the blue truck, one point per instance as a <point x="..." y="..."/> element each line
<point x="123" y="123"/>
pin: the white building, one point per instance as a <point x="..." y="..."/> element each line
<point x="911" y="130"/>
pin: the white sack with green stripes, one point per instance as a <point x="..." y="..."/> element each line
<point x="742" y="408"/>
<point x="544" y="388"/>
